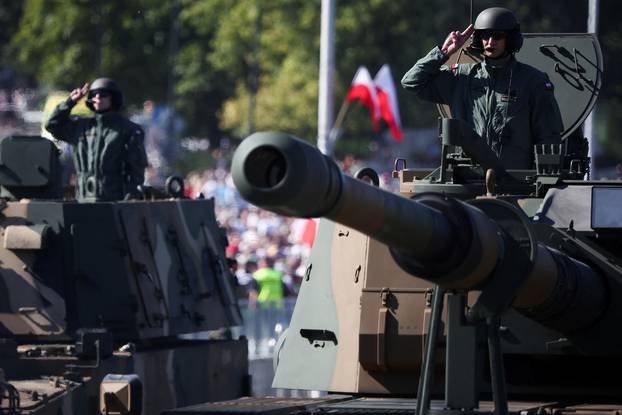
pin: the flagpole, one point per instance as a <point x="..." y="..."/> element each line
<point x="589" y="129"/>
<point x="326" y="81"/>
<point x="335" y="132"/>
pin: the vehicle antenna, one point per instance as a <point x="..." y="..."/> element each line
<point x="471" y="13"/>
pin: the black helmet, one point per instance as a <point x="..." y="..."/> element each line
<point x="500" y="19"/>
<point x="108" y="85"/>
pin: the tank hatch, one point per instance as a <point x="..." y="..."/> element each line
<point x="29" y="168"/>
<point x="574" y="64"/>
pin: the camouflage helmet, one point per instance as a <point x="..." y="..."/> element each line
<point x="498" y="19"/>
<point x="108" y="85"/>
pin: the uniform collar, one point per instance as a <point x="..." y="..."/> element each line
<point x="105" y="115"/>
<point x="498" y="66"/>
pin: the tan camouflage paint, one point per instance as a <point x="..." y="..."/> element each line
<point x="349" y="254"/>
<point x="27" y="295"/>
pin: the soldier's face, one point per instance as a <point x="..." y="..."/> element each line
<point x="494" y="43"/>
<point x="101" y="100"/>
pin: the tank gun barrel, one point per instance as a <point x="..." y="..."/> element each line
<point x="434" y="237"/>
<point x="288" y="176"/>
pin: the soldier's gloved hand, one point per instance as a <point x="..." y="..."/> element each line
<point x="77" y="94"/>
<point x="455" y="40"/>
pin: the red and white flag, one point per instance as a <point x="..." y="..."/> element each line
<point x="364" y="89"/>
<point x="387" y="101"/>
<point x="303" y="230"/>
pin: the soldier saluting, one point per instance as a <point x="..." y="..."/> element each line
<point x="108" y="149"/>
<point x="509" y="104"/>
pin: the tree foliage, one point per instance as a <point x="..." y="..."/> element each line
<point x="241" y="65"/>
<point x="64" y="43"/>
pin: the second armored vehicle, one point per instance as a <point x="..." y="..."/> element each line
<point x="95" y="297"/>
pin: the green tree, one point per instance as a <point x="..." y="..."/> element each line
<point x="64" y="43"/>
<point x="240" y="65"/>
<point x="10" y="14"/>
<point x="201" y="86"/>
<point x="270" y="52"/>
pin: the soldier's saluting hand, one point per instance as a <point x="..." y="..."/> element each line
<point x="76" y="94"/>
<point x="455" y="40"/>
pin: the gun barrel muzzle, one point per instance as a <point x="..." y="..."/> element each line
<point x="288" y="176"/>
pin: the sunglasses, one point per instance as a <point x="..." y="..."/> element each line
<point x="495" y="34"/>
<point x="100" y="92"/>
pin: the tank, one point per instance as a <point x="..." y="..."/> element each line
<point x="476" y="289"/>
<point x="101" y="304"/>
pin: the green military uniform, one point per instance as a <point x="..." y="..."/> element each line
<point x="511" y="107"/>
<point x="108" y="151"/>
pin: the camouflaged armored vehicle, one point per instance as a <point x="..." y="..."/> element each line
<point x="475" y="290"/>
<point x="95" y="296"/>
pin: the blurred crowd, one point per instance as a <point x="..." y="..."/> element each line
<point x="261" y="244"/>
<point x="268" y="254"/>
<point x="254" y="234"/>
<point x="14" y="111"/>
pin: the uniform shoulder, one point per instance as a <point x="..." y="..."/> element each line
<point x="462" y="68"/>
<point x="532" y="72"/>
<point x="535" y="77"/>
<point x="132" y="126"/>
<point x="81" y="118"/>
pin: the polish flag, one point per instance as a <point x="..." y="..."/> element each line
<point x="363" y="88"/>
<point x="387" y="101"/>
<point x="303" y="230"/>
<point x="308" y="234"/>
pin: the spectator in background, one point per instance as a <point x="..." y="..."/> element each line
<point x="244" y="275"/>
<point x="269" y="290"/>
<point x="254" y="233"/>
